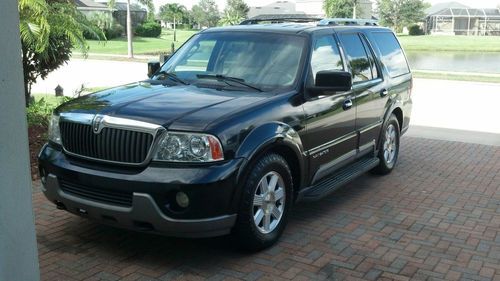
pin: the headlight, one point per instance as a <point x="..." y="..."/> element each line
<point x="54" y="132"/>
<point x="188" y="147"/>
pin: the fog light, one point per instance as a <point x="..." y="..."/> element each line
<point x="182" y="199"/>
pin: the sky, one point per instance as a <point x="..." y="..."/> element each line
<point x="221" y="3"/>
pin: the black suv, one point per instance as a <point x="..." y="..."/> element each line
<point x="234" y="128"/>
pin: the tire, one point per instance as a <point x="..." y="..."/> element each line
<point x="388" y="151"/>
<point x="264" y="213"/>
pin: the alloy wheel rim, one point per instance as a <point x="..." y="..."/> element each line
<point x="269" y="202"/>
<point x="390" y="145"/>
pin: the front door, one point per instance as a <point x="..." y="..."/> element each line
<point x="331" y="139"/>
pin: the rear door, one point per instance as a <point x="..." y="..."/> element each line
<point x="368" y="90"/>
<point x="397" y="75"/>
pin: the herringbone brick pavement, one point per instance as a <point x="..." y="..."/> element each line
<point x="437" y="216"/>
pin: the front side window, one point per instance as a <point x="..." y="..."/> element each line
<point x="263" y="60"/>
<point x="357" y="57"/>
<point x="325" y="55"/>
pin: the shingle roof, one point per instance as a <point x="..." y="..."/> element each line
<point x="90" y="5"/>
<point x="444" y="6"/>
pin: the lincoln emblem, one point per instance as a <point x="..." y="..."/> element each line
<point x="96" y="124"/>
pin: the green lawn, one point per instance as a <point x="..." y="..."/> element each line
<point x="50" y="99"/>
<point x="142" y="45"/>
<point x="451" y="43"/>
<point x="457" y="77"/>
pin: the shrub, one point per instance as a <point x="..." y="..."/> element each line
<point x="107" y="24"/>
<point x="415" y="30"/>
<point x="148" y="29"/>
<point x="116" y="30"/>
<point x="40" y="110"/>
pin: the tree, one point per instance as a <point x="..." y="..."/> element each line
<point x="205" y="13"/>
<point x="174" y="13"/>
<point x="231" y="18"/>
<point x="235" y="12"/>
<point x="400" y="13"/>
<point x="130" y="35"/>
<point x="341" y="8"/>
<point x="151" y="8"/>
<point x="50" y="29"/>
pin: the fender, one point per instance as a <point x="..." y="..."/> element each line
<point x="269" y="135"/>
<point x="265" y="137"/>
<point x="392" y="105"/>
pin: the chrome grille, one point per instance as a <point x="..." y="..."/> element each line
<point x="111" y="144"/>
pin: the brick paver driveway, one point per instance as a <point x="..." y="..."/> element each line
<point x="437" y="216"/>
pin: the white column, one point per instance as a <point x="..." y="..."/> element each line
<point x="18" y="249"/>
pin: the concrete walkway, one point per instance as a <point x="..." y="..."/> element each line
<point x="91" y="74"/>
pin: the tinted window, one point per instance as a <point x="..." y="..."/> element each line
<point x="197" y="57"/>
<point x="392" y="55"/>
<point x="325" y="55"/>
<point x="358" y="59"/>
<point x="267" y="61"/>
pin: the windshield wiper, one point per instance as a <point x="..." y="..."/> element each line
<point x="223" y="78"/>
<point x="172" y="76"/>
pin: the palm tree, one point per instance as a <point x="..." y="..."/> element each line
<point x="49" y="30"/>
<point x="173" y="12"/>
<point x="129" y="32"/>
<point x="354" y="8"/>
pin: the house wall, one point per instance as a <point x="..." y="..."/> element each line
<point x="18" y="248"/>
<point x="310" y="7"/>
<point x="278" y="7"/>
<point x="365" y="9"/>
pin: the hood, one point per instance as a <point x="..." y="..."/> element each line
<point x="163" y="105"/>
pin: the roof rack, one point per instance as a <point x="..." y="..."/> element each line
<point x="295" y="18"/>
<point x="347" y="21"/>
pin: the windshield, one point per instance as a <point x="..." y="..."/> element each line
<point x="261" y="60"/>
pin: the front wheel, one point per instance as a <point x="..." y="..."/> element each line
<point x="389" y="146"/>
<point x="266" y="202"/>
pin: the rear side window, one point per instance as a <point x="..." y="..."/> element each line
<point x="392" y="55"/>
<point x="357" y="56"/>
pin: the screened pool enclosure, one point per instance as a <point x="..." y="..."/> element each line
<point x="464" y="21"/>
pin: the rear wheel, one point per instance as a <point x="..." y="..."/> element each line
<point x="266" y="202"/>
<point x="389" y="146"/>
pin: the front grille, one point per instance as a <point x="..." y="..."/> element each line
<point x="114" y="197"/>
<point x="110" y="144"/>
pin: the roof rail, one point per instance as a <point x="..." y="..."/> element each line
<point x="296" y="18"/>
<point x="347" y="21"/>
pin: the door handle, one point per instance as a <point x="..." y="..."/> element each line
<point x="347" y="104"/>
<point x="384" y="93"/>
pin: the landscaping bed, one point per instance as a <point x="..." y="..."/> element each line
<point x="37" y="135"/>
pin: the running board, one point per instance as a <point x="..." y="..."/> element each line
<point x="338" y="179"/>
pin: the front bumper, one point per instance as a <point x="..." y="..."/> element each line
<point x="211" y="190"/>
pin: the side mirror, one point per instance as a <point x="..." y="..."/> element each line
<point x="331" y="81"/>
<point x="153" y="67"/>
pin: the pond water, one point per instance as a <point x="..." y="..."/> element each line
<point x="483" y="62"/>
